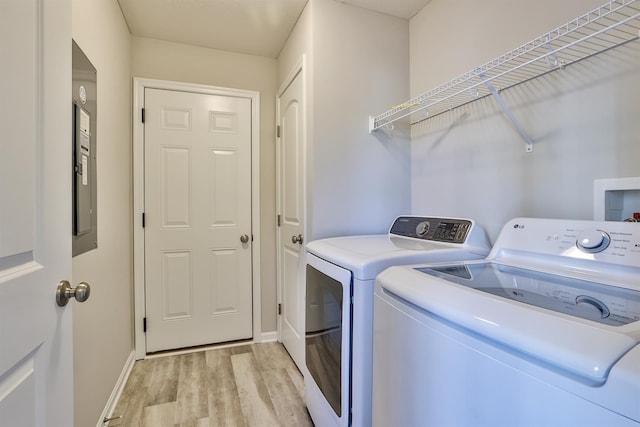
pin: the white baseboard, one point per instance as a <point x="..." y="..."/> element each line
<point x="117" y="390"/>
<point x="268" y="337"/>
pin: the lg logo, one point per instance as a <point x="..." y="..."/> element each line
<point x="518" y="226"/>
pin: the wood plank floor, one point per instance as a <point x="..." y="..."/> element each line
<point x="250" y="385"/>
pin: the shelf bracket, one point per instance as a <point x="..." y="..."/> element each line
<point x="507" y="111"/>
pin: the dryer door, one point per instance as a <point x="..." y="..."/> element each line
<point x="327" y="341"/>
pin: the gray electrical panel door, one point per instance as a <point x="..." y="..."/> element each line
<point x="84" y="90"/>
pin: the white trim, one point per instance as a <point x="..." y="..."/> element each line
<point x="139" y="85"/>
<point x="268" y="337"/>
<point x="299" y="68"/>
<point x="600" y="189"/>
<point x="107" y="412"/>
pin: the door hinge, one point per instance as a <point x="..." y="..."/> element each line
<point x="279" y="309"/>
<point x="278" y="220"/>
<point x="144" y="325"/>
<point x="278" y="131"/>
<point x="143" y="220"/>
<point x="142" y="116"/>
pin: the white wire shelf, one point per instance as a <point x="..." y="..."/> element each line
<point x="610" y="25"/>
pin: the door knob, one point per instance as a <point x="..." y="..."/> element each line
<point x="244" y="238"/>
<point x="65" y="292"/>
<point x="296" y="239"/>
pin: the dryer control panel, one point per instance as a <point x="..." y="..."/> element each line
<point x="451" y="230"/>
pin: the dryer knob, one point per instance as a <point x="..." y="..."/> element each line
<point x="593" y="241"/>
<point x="423" y="228"/>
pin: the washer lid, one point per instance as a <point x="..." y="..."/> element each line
<point x="608" y="305"/>
<point x="486" y="304"/>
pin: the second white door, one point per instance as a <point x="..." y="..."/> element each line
<point x="291" y="173"/>
<point x="197" y="219"/>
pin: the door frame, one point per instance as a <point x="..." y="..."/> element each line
<point x="299" y="68"/>
<point x="139" y="85"/>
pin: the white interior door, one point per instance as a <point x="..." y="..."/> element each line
<point x="291" y="213"/>
<point x="197" y="219"/>
<point x="36" y="378"/>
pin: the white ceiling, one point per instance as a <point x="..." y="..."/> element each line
<point x="255" y="27"/>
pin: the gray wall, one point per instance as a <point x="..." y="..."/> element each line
<point x="583" y="120"/>
<point x="360" y="181"/>
<point x="357" y="64"/>
<point x="102" y="326"/>
<point x="162" y="60"/>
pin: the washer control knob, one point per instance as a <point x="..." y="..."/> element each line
<point x="593" y="241"/>
<point x="589" y="301"/>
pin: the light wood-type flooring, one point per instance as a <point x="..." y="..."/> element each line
<point x="249" y="385"/>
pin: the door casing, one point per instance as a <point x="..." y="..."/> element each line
<point x="139" y="85"/>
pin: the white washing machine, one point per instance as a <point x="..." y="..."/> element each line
<point x="544" y="332"/>
<point x="340" y="277"/>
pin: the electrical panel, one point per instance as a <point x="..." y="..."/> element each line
<point x="84" y="95"/>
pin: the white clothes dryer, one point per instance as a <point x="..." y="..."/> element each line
<point x="340" y="277"/>
<point x="544" y="332"/>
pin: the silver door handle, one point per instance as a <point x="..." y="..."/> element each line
<point x="296" y="239"/>
<point x="65" y="292"/>
<point x="244" y="238"/>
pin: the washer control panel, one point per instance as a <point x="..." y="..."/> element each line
<point x="451" y="230"/>
<point x="608" y="241"/>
